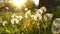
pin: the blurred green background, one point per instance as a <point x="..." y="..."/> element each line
<point x="5" y="15"/>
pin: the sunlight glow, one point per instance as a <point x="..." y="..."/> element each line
<point x="18" y="3"/>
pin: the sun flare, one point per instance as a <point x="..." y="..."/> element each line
<point x="18" y="3"/>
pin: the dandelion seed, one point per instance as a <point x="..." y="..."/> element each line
<point x="43" y="8"/>
<point x="45" y="18"/>
<point x="55" y="30"/>
<point x="17" y="16"/>
<point x="4" y="23"/>
<point x="48" y="16"/>
<point x="20" y="17"/>
<point x="39" y="11"/>
<point x="28" y="14"/>
<point x="13" y="15"/>
<point x="14" y="21"/>
<point x="56" y="22"/>
<point x="37" y="16"/>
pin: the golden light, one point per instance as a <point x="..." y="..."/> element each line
<point x="18" y="3"/>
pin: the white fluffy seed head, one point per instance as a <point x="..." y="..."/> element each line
<point x="4" y="23"/>
<point x="37" y="16"/>
<point x="39" y="11"/>
<point x="14" y="20"/>
<point x="28" y="13"/>
<point x="43" y="8"/>
<point x="56" y="22"/>
<point x="55" y="30"/>
<point x="48" y="16"/>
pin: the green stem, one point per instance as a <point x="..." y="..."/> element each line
<point x="27" y="30"/>
<point x="39" y="30"/>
